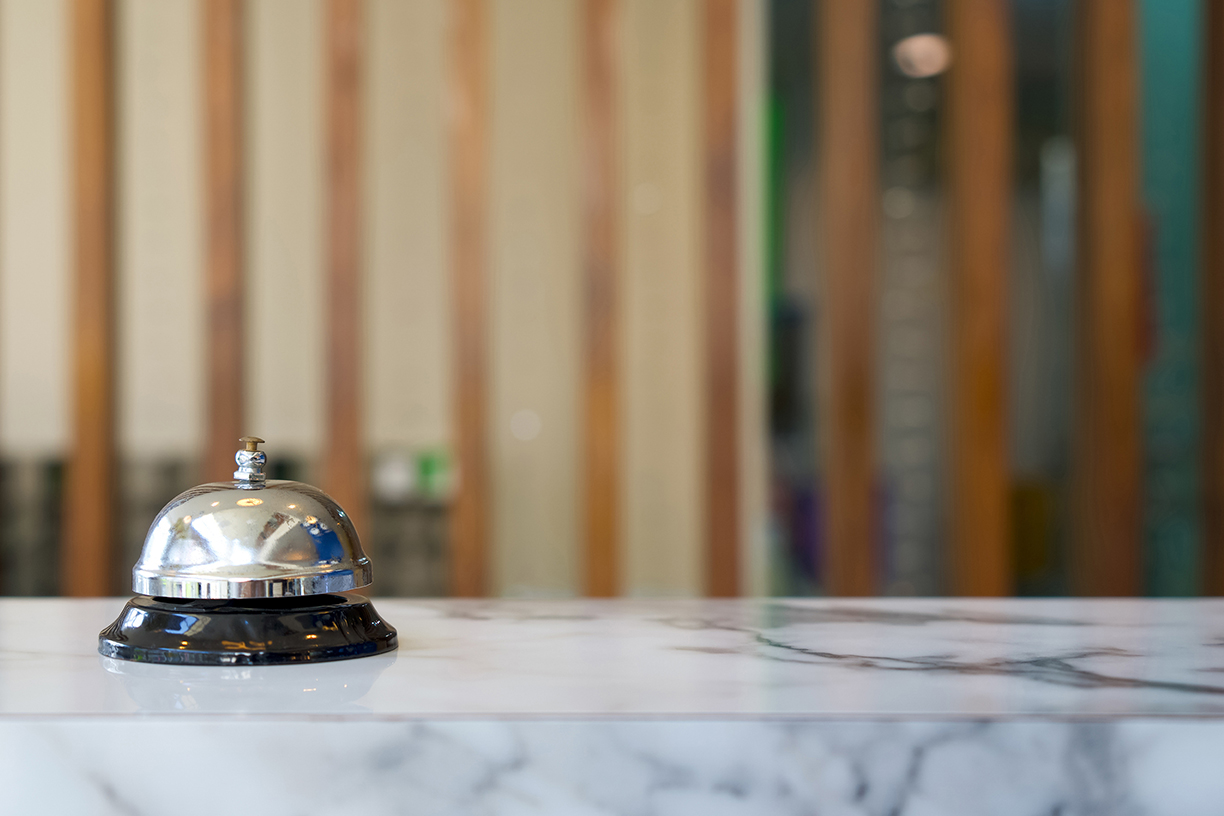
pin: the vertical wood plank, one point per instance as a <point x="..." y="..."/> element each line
<point x="344" y="451"/>
<point x="979" y="160"/>
<point x="404" y="267"/>
<point x="286" y="226"/>
<point x="662" y="376"/>
<point x="1212" y="317"/>
<point x="754" y="387"/>
<point x="35" y="267"/>
<point x="1105" y="536"/>
<point x="160" y="228"/>
<point x="721" y="226"/>
<point x="88" y="500"/>
<point x="601" y="433"/>
<point x="224" y="274"/>
<point x="469" y="117"/>
<point x="535" y="297"/>
<point x="847" y="50"/>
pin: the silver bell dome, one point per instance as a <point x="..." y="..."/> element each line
<point x="251" y="538"/>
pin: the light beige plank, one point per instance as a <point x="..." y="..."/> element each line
<point x="535" y="296"/>
<point x="35" y="237"/>
<point x="284" y="143"/>
<point x="662" y="500"/>
<point x="407" y="302"/>
<point x="160" y="220"/>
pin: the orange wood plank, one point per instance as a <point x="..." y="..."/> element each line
<point x="88" y="533"/>
<point x="848" y="52"/>
<point x="469" y="128"/>
<point x="979" y="161"/>
<point x="601" y="433"/>
<point x="344" y="474"/>
<point x="720" y="122"/>
<point x="1212" y="319"/>
<point x="224" y="278"/>
<point x="1105" y="536"/>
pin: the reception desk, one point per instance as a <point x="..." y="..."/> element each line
<point x="772" y="706"/>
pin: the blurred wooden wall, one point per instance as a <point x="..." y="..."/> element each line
<point x="531" y="238"/>
<point x="284" y="222"/>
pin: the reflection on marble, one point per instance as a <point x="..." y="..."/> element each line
<point x="249" y="689"/>
<point x="898" y="707"/>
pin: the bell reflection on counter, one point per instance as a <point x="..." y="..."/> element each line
<point x="302" y="689"/>
<point x="246" y="572"/>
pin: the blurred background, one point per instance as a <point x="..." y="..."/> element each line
<point x="641" y="297"/>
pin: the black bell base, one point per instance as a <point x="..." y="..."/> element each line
<point x="255" y="632"/>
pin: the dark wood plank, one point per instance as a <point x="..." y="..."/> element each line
<point x="1212" y="318"/>
<point x="469" y="128"/>
<point x="720" y="55"/>
<point x="224" y="278"/>
<point x="1105" y="517"/>
<point x="344" y="474"/>
<point x="979" y="161"/>
<point x="88" y="533"/>
<point x="601" y="432"/>
<point x="848" y="52"/>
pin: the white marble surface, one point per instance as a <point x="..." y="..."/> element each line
<point x="875" y="658"/>
<point x="897" y="707"/>
<point x="136" y="766"/>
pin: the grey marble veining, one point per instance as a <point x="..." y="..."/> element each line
<point x="751" y="658"/>
<point x="134" y="767"/>
<point x="888" y="707"/>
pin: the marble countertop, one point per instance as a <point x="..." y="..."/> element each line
<point x="724" y="659"/>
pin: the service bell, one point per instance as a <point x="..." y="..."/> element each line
<point x="246" y="572"/>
